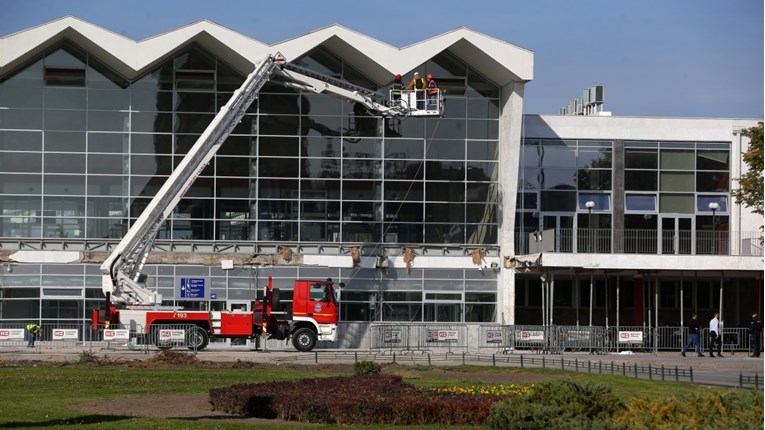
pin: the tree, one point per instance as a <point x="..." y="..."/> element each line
<point x="751" y="183"/>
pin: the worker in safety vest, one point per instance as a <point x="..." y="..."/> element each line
<point x="418" y="85"/>
<point x="432" y="93"/>
<point x="33" y="330"/>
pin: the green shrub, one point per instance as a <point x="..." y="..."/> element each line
<point x="731" y="410"/>
<point x="88" y="357"/>
<point x="567" y="405"/>
<point x="562" y="404"/>
<point x="362" y="368"/>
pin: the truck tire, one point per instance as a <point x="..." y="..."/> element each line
<point x="304" y="339"/>
<point x="197" y="338"/>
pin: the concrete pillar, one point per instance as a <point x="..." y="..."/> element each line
<point x="510" y="128"/>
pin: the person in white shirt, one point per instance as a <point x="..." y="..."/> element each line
<point x="715" y="336"/>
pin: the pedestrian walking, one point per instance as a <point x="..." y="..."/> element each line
<point x="715" y="336"/>
<point x="693" y="336"/>
<point x="755" y="331"/>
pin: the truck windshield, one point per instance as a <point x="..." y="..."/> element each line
<point x="320" y="293"/>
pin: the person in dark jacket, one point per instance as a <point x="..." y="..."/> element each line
<point x="755" y="331"/>
<point x="396" y="88"/>
<point x="693" y="336"/>
<point x="432" y="93"/>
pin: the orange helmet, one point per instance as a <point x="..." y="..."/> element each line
<point x="430" y="76"/>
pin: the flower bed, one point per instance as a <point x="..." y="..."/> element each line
<point x="356" y="400"/>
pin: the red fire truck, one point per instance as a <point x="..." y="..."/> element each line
<point x="132" y="305"/>
<point x="313" y="317"/>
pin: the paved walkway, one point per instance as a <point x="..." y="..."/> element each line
<point x="706" y="370"/>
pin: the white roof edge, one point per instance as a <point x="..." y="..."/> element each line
<point x="516" y="62"/>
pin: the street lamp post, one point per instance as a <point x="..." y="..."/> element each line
<point x="713" y="206"/>
<point x="589" y="205"/>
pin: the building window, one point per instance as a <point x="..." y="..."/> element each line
<point x="65" y="77"/>
<point x="640" y="202"/>
<point x="703" y="202"/>
<point x="602" y="202"/>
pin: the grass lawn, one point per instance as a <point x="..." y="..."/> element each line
<point x="40" y="396"/>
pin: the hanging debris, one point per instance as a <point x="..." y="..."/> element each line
<point x="356" y="256"/>
<point x="409" y="258"/>
<point x="286" y="253"/>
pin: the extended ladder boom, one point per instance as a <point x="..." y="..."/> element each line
<point x="121" y="271"/>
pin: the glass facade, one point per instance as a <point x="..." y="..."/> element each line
<point x="659" y="203"/>
<point x="82" y="152"/>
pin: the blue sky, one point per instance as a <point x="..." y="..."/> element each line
<point x="684" y="58"/>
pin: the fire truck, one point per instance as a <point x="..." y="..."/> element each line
<point x="131" y="304"/>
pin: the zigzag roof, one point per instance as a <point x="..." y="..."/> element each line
<point x="497" y="60"/>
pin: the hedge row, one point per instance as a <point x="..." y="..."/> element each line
<point x="352" y="400"/>
<point x="564" y="405"/>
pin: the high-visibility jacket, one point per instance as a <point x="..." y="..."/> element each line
<point x="417" y="84"/>
<point x="33" y="328"/>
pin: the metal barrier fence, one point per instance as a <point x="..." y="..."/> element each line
<point x="397" y="337"/>
<point x="528" y="337"/>
<point x="391" y="337"/>
<point x="733" y="339"/>
<point x="653" y="372"/>
<point x="107" y="337"/>
<point x="419" y="337"/>
<point x="631" y="338"/>
<point x="592" y="339"/>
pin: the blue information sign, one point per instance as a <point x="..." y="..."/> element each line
<point x="193" y="288"/>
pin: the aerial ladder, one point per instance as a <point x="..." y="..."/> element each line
<point x="122" y="279"/>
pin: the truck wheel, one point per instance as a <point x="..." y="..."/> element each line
<point x="197" y="338"/>
<point x="304" y="339"/>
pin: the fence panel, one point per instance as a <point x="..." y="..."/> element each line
<point x="62" y="335"/>
<point x="13" y="335"/>
<point x="390" y="336"/>
<point x="447" y="336"/>
<point x="166" y="336"/>
<point x="632" y="338"/>
<point x="671" y="338"/>
<point x="532" y="337"/>
<point x="494" y="337"/>
<point x="592" y="339"/>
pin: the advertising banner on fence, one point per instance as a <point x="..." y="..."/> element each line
<point x="172" y="335"/>
<point x="65" y="334"/>
<point x="630" y="337"/>
<point x="11" y="333"/>
<point x="529" y="336"/>
<point x="442" y="336"/>
<point x="119" y="334"/>
<point x="392" y="336"/>
<point x="493" y="336"/>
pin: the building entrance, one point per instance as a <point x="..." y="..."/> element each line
<point x="676" y="234"/>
